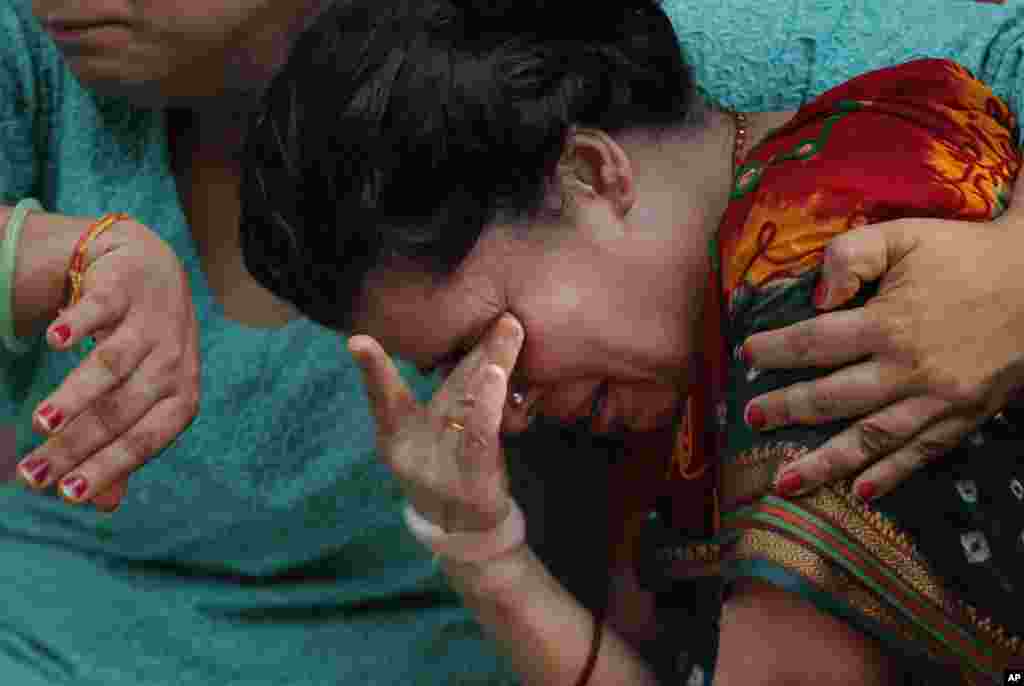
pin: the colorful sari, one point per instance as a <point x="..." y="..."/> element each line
<point x="934" y="569"/>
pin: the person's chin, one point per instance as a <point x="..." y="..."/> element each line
<point x="639" y="423"/>
<point x="104" y="78"/>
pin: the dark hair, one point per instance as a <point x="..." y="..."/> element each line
<point x="401" y="128"/>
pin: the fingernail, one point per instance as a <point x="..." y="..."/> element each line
<point x="355" y="348"/>
<point x="820" y="294"/>
<point x="62" y="333"/>
<point x="865" y="491"/>
<point x="73" y="488"/>
<point x="755" y="416"/>
<point x="49" y="416"/>
<point x="789" y="483"/>
<point x="35" y="470"/>
<point x="748" y="359"/>
<point x="517" y="330"/>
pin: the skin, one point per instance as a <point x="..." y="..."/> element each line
<point x="212" y="59"/>
<point x="197" y="54"/>
<point x="917" y="395"/>
<point x="612" y="296"/>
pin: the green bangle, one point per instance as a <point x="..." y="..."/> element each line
<point x="8" y="255"/>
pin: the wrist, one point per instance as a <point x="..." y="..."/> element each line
<point x="40" y="276"/>
<point x="40" y="280"/>
<point x="497" y="579"/>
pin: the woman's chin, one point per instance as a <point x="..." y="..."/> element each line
<point x="659" y="421"/>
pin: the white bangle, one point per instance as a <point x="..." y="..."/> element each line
<point x="469" y="546"/>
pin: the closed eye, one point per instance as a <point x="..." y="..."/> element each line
<point x="445" y="364"/>
<point x="450" y="360"/>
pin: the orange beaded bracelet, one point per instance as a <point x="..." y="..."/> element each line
<point x="77" y="268"/>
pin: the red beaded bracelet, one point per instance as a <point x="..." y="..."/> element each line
<point x="77" y="267"/>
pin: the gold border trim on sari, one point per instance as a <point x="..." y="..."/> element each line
<point x="844" y="549"/>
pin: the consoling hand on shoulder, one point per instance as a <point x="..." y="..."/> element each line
<point x="936" y="352"/>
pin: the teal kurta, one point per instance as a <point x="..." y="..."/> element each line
<point x="266" y="546"/>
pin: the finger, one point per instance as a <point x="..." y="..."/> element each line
<point x="929" y="445"/>
<point x="479" y="450"/>
<point x="97" y="310"/>
<point x="861" y="256"/>
<point x="504" y="343"/>
<point x="827" y="340"/>
<point x="458" y="380"/>
<point x="861" y="445"/>
<point x="105" y="368"/>
<point x="500" y="345"/>
<point x="1016" y="206"/>
<point x="390" y="398"/>
<point x="102" y="422"/>
<point x="478" y="455"/>
<point x="848" y="392"/>
<point x="130" y="451"/>
<point x="460" y="400"/>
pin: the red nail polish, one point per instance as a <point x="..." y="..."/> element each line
<point x="73" y="488"/>
<point x="62" y="333"/>
<point x="820" y="293"/>
<point x="36" y="470"/>
<point x="866" y="491"/>
<point x="789" y="484"/>
<point x="755" y="416"/>
<point x="49" y="416"/>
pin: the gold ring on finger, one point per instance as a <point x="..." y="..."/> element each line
<point x="456" y="426"/>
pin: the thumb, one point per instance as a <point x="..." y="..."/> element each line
<point x="861" y="256"/>
<point x="1015" y="210"/>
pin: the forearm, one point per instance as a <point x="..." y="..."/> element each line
<point x="39" y="284"/>
<point x="540" y="626"/>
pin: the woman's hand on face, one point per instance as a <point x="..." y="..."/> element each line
<point x="937" y="351"/>
<point x="139" y="388"/>
<point x="447" y="454"/>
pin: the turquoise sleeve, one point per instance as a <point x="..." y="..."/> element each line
<point x="20" y="110"/>
<point x="19" y="166"/>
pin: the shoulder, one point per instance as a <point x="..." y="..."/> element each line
<point x="940" y="81"/>
<point x="925" y="138"/>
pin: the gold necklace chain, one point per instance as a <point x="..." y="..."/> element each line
<point x="740" y="142"/>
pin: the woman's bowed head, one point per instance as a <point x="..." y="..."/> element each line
<point x="562" y="171"/>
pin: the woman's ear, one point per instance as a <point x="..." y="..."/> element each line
<point x="595" y="166"/>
